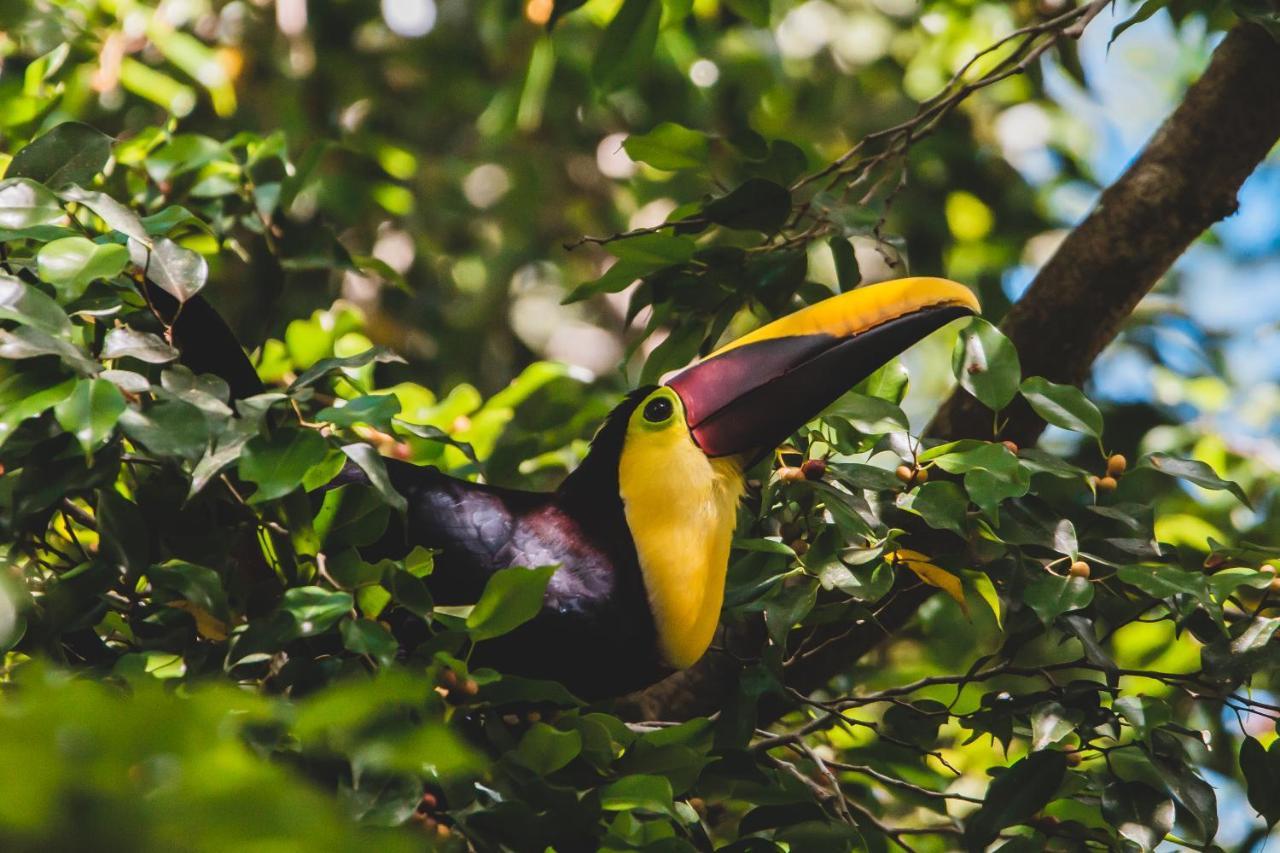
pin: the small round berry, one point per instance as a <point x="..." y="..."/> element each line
<point x="449" y="677"/>
<point x="1074" y="758"/>
<point x="1079" y="569"/>
<point x="905" y="473"/>
<point x="814" y="469"/>
<point x="1116" y="465"/>
<point x="1011" y="446"/>
<point x="801" y="547"/>
<point x="1267" y="569"/>
<point x="470" y="687"/>
<point x="922" y="475"/>
<point x="1107" y="484"/>
<point x="790" y="474"/>
<point x="1275" y="585"/>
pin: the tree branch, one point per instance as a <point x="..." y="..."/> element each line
<point x="1185" y="180"/>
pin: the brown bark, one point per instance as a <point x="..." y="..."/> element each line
<point x="1185" y="180"/>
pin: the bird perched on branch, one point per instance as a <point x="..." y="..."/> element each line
<point x="641" y="530"/>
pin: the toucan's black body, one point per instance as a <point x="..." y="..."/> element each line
<point x="597" y="631"/>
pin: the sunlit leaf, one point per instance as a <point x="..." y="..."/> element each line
<point x="986" y="364"/>
<point x="511" y="597"/>
<point x="70" y="153"/>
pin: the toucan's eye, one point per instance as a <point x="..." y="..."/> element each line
<point x="657" y="410"/>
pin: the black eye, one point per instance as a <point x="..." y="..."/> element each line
<point x="657" y="410"/>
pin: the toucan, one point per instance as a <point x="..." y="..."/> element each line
<point x="641" y="530"/>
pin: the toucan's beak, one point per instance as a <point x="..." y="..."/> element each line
<point x="748" y="396"/>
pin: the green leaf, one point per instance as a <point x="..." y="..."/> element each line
<point x="942" y="505"/>
<point x="216" y="458"/>
<point x="1050" y="595"/>
<point x="168" y="428"/>
<point x="27" y="304"/>
<point x="1196" y="796"/>
<point x="351" y="515"/>
<point x="1261" y="769"/>
<point x="366" y="637"/>
<point x="328" y="365"/>
<point x="375" y="469"/>
<point x="511" y="597"/>
<point x="848" y="276"/>
<point x="544" y="750"/>
<point x="183" y="153"/>
<point x="374" y="409"/>
<point x="986" y="364"/>
<point x="869" y="415"/>
<point x="1050" y="723"/>
<point x="1193" y="471"/>
<point x="1164" y="581"/>
<point x="25" y="203"/>
<point x="71" y="263"/>
<point x="1015" y="795"/>
<point x="1063" y="406"/>
<point x="916" y="723"/>
<point x="30" y="342"/>
<point x="1064" y="539"/>
<point x="654" y="251"/>
<point x="1144" y="713"/>
<point x="124" y="341"/>
<point x="91" y="411"/>
<point x="314" y="610"/>
<point x="178" y="271"/>
<point x="888" y="382"/>
<point x="200" y="585"/>
<point x="627" y="45"/>
<point x="70" y="153"/>
<point x="170" y="219"/>
<point x="757" y="205"/>
<point x="640" y="792"/>
<point x="432" y="433"/>
<point x="28" y="394"/>
<point x="278" y="464"/>
<point x="1139" y="812"/>
<point x="669" y="147"/>
<point x="117" y="217"/>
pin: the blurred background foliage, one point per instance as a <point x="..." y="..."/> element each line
<point x="409" y="175"/>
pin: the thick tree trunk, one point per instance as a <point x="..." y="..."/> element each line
<point x="1185" y="180"/>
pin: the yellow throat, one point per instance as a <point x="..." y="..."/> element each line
<point x="681" y="508"/>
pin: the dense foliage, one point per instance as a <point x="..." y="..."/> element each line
<point x="198" y="657"/>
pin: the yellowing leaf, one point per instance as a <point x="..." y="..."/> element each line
<point x="207" y="626"/>
<point x="930" y="574"/>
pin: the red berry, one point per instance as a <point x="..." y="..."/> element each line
<point x="814" y="469"/>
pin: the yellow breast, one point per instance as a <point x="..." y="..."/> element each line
<point x="681" y="508"/>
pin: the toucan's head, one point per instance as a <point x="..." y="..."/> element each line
<point x="678" y="449"/>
